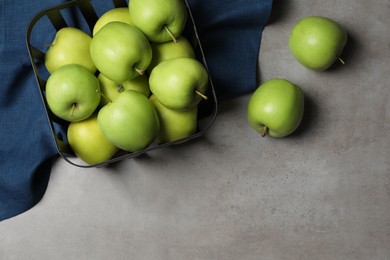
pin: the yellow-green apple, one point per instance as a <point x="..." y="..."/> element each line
<point x="120" y="51"/>
<point x="179" y="83"/>
<point x="72" y="92"/>
<point x="120" y="14"/>
<point x="111" y="90"/>
<point x="70" y="46"/>
<point x="174" y="124"/>
<point x="88" y="142"/>
<point x="160" y="21"/>
<point x="316" y="42"/>
<point x="276" y="108"/>
<point x="169" y="50"/>
<point x="130" y="122"/>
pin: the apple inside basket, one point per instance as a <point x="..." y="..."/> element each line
<point x="154" y="95"/>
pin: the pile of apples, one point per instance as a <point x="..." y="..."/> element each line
<point x="276" y="107"/>
<point x="134" y="82"/>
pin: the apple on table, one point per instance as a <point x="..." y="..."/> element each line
<point x="276" y="108"/>
<point x="316" y="42"/>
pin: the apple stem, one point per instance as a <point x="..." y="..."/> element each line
<point x="341" y="60"/>
<point x="74" y="105"/>
<point x="105" y="97"/>
<point x="170" y="34"/>
<point x="264" y="132"/>
<point x="201" y="95"/>
<point x="140" y="72"/>
<point x="120" y="88"/>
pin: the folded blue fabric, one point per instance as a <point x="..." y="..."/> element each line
<point x="25" y="142"/>
<point x="230" y="32"/>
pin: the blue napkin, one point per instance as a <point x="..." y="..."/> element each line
<point x="230" y="32"/>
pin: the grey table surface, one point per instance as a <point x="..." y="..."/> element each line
<point x="322" y="193"/>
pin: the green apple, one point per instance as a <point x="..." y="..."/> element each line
<point x="174" y="124"/>
<point x="120" y="51"/>
<point x="169" y="50"/>
<point x="88" y="142"/>
<point x="111" y="90"/>
<point x="160" y="21"/>
<point x="130" y="121"/>
<point x="70" y="46"/>
<point x="316" y="42"/>
<point x="72" y="92"/>
<point x="179" y="83"/>
<point x="120" y="14"/>
<point x="276" y="108"/>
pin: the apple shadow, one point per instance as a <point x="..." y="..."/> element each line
<point x="228" y="105"/>
<point x="309" y="118"/>
<point x="279" y="9"/>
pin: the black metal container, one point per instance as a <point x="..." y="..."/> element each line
<point x="82" y="14"/>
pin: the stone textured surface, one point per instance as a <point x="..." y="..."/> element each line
<point x="322" y="193"/>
